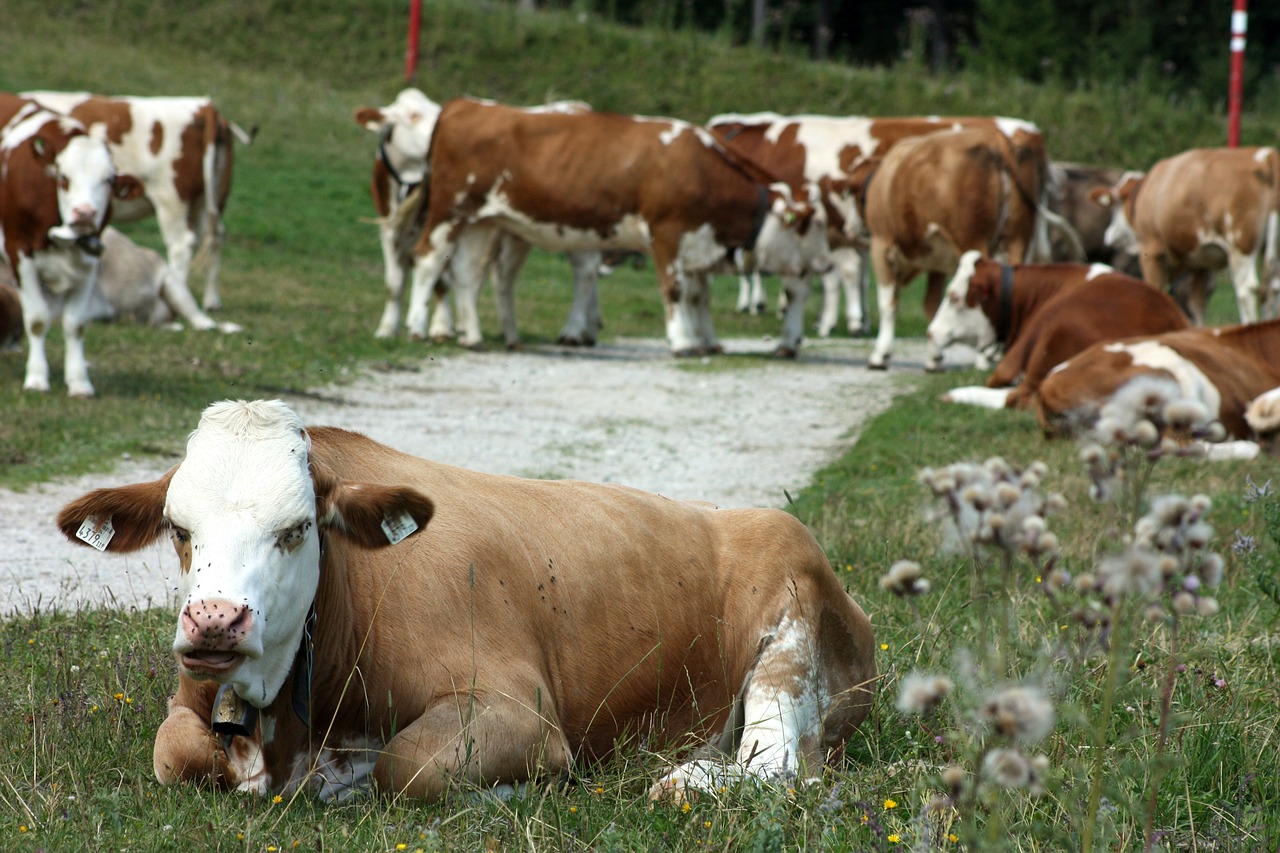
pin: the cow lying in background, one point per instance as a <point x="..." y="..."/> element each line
<point x="1224" y="369"/>
<point x="1198" y="212"/>
<point x="1263" y="417"/>
<point x="404" y="129"/>
<point x="521" y="627"/>
<point x="595" y="181"/>
<point x="56" y="189"/>
<point x="131" y="282"/>
<point x="935" y="197"/>
<point x="181" y="149"/>
<point x="1043" y="315"/>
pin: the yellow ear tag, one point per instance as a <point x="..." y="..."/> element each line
<point x="96" y="535"/>
<point x="399" y="527"/>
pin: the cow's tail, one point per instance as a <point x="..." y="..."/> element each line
<point x="216" y="171"/>
<point x="406" y="220"/>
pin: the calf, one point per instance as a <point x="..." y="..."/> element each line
<point x="181" y="149"/>
<point x="597" y="181"/>
<point x="1070" y="188"/>
<point x="404" y="129"/>
<point x="935" y="197"/>
<point x="1224" y="369"/>
<point x="56" y="185"/>
<point x="417" y="626"/>
<point x="131" y="282"/>
<point x="1198" y="212"/>
<point x="1043" y="315"/>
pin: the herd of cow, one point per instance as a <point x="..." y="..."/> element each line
<point x="350" y="616"/>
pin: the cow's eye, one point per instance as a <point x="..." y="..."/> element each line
<point x="292" y="538"/>
<point x="180" y="536"/>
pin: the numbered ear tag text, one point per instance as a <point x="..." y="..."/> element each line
<point x="98" y="535"/>
<point x="398" y="527"/>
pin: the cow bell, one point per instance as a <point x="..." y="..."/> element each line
<point x="232" y="715"/>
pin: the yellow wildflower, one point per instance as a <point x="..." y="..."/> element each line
<point x="893" y="838"/>
<point x="890" y="804"/>
<point x="277" y="799"/>
<point x="686" y="808"/>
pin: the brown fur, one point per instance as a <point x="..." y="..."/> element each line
<point x="1241" y="361"/>
<point x="527" y="626"/>
<point x="1069" y="196"/>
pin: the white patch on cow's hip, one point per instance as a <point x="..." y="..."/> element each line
<point x="1191" y="380"/>
<point x="1096" y="270"/>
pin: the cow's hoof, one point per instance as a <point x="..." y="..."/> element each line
<point x="515" y="346"/>
<point x="478" y="346"/>
<point x="872" y="365"/>
<point x="713" y="349"/>
<point x="686" y="352"/>
<point x="785" y="352"/>
<point x="933" y="367"/>
<point x="437" y="339"/>
<point x="230" y="328"/>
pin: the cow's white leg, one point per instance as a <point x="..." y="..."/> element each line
<point x="215" y="234"/>
<point x="744" y="305"/>
<point x="830" y="308"/>
<point x="441" y="328"/>
<point x="752" y="298"/>
<point x="797" y="290"/>
<point x="74" y="314"/>
<point x="36" y="316"/>
<point x="700" y="294"/>
<point x="680" y="317"/>
<point x="179" y="243"/>
<point x="427" y="269"/>
<point x="393" y="274"/>
<point x="759" y="296"/>
<point x="582" y="326"/>
<point x="508" y="257"/>
<point x="474" y="248"/>
<point x="887" y="300"/>
<point x="781" y="720"/>
<point x="1244" y="277"/>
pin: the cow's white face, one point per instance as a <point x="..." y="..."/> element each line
<point x="242" y="507"/>
<point x="793" y="237"/>
<point x="410" y="121"/>
<point x="956" y="321"/>
<point x="85" y="173"/>
<point x="1120" y="234"/>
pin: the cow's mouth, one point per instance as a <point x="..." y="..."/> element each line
<point x="210" y="662"/>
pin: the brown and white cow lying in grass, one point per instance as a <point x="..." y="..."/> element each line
<point x="1201" y="211"/>
<point x="1224" y="370"/>
<point x="1043" y="315"/>
<point x="522" y="627"/>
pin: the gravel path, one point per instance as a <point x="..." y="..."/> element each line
<point x="738" y="434"/>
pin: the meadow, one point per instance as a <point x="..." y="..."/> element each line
<point x="1166" y="732"/>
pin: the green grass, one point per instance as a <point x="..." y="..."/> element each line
<point x="302" y="273"/>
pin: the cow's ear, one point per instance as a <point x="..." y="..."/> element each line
<point x="370" y="118"/>
<point x="121" y="519"/>
<point x="372" y="516"/>
<point x="1102" y="196"/>
<point x="126" y="188"/>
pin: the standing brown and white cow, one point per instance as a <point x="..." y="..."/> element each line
<point x="831" y="152"/>
<point x="1198" y="212"/>
<point x="933" y="198"/>
<point x="1043" y="314"/>
<point x="181" y="150"/>
<point x="56" y="187"/>
<point x="503" y="628"/>
<point x="606" y="181"/>
<point x="405" y="128"/>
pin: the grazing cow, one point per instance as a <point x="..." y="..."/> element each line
<point x="522" y="627"/>
<point x="605" y="181"/>
<point x="130" y="283"/>
<point x="404" y="131"/>
<point x="829" y="151"/>
<point x="56" y="188"/>
<point x="181" y="150"/>
<point x="1198" y="212"/>
<point x="1043" y="315"/>
<point x="1070" y="186"/>
<point x="933" y="198"/>
<point x="1222" y="368"/>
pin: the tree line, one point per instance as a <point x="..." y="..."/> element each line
<point x="1181" y="45"/>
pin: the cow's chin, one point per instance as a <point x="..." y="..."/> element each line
<point x="202" y="665"/>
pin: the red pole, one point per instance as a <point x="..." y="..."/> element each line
<point x="415" y="24"/>
<point x="1239" y="24"/>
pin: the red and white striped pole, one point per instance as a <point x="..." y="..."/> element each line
<point x="1239" y="24"/>
<point x="415" y="24"/>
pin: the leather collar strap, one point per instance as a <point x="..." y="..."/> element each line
<point x="1005" y="310"/>
<point x="405" y="188"/>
